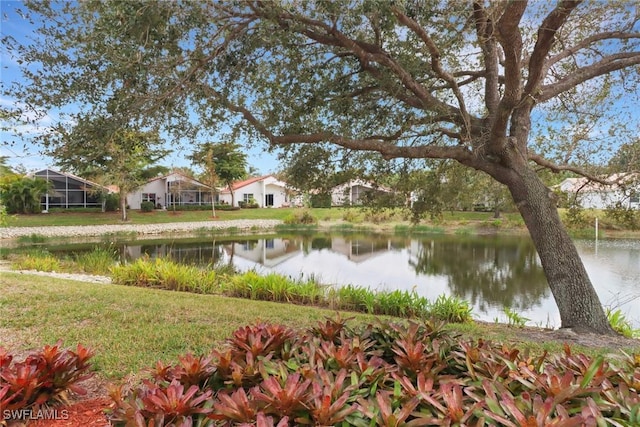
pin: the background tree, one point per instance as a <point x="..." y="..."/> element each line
<point x="209" y="175"/>
<point x="229" y="162"/>
<point x="102" y="150"/>
<point x="501" y="87"/>
<point x="626" y="158"/>
<point x="22" y="194"/>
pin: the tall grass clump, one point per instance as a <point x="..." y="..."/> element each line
<point x="417" y="229"/>
<point x="621" y="324"/>
<point x="450" y="309"/>
<point x="31" y="239"/>
<point x="38" y="259"/>
<point x="165" y="274"/>
<point x="161" y="273"/>
<point x="301" y="217"/>
<point x="352" y="298"/>
<point x="99" y="261"/>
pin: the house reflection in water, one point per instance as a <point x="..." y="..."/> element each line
<point x="272" y="252"/>
<point x="268" y="252"/>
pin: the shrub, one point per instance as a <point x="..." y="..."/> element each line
<point x="45" y="376"/>
<point x="39" y="260"/>
<point x="98" y="261"/>
<point x="300" y="217"/>
<point x="450" y="309"/>
<point x="350" y="215"/>
<point x="111" y="202"/>
<point x="248" y="205"/>
<point x="623" y="216"/>
<point x="383" y="374"/>
<point x="575" y="217"/>
<point x="147" y="206"/>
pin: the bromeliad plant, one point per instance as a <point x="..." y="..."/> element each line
<point x="412" y="374"/>
<point x="43" y="377"/>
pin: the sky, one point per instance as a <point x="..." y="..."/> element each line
<point x="22" y="153"/>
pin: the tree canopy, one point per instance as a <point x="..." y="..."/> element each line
<point x="502" y="87"/>
<point x="224" y="158"/>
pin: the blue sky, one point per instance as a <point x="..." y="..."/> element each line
<point x="20" y="151"/>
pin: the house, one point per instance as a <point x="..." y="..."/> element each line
<point x="166" y="190"/>
<point x="70" y="191"/>
<point x="352" y="192"/>
<point x="266" y="191"/>
<point x="593" y="195"/>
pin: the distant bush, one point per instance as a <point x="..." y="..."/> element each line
<point x="75" y="210"/>
<point x="248" y="205"/>
<point x="147" y="206"/>
<point x="111" y="202"/>
<point x="300" y="217"/>
<point x="204" y="207"/>
<point x="623" y="216"/>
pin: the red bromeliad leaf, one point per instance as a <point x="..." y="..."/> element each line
<point x="235" y="406"/>
<point x="283" y="400"/>
<point x="5" y="359"/>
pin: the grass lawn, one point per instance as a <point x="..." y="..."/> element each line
<point x="155" y="217"/>
<point x="137" y="217"/>
<point x="130" y="328"/>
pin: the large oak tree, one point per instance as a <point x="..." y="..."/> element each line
<point x="487" y="84"/>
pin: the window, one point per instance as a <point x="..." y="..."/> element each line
<point x="247" y="197"/>
<point x="268" y="200"/>
<point x="149" y="197"/>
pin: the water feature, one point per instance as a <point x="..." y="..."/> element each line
<point x="491" y="272"/>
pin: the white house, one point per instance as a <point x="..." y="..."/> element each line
<point x="266" y="191"/>
<point x="166" y="190"/>
<point x="352" y="191"/>
<point x="593" y="195"/>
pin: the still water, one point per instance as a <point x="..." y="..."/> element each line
<point x="489" y="272"/>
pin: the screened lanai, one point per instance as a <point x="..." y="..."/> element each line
<point x="69" y="191"/>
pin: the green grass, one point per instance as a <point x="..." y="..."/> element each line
<point x="131" y="327"/>
<point x="159" y="217"/>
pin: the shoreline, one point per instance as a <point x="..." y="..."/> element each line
<point x="11" y="233"/>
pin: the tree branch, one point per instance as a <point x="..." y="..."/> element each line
<point x="546" y="37"/>
<point x="381" y="145"/>
<point x="511" y="41"/>
<point x="485" y="30"/>
<point x="606" y="65"/>
<point x="436" y="65"/>
<point x="536" y="158"/>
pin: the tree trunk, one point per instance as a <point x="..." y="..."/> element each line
<point x="123" y="206"/>
<point x="577" y="300"/>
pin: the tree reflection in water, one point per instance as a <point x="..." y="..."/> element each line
<point x="486" y="271"/>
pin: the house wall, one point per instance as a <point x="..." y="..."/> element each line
<point x="601" y="200"/>
<point x="350" y="193"/>
<point x="157" y="187"/>
<point x="259" y="190"/>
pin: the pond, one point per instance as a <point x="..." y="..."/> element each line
<point x="491" y="272"/>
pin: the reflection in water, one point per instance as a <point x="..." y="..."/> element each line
<point x="489" y="272"/>
<point x="495" y="272"/>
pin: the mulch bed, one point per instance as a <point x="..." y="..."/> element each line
<point x="87" y="413"/>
